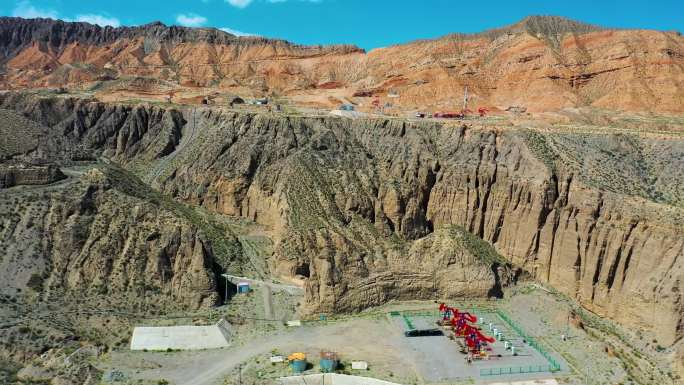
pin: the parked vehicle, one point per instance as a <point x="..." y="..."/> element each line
<point x="447" y="115"/>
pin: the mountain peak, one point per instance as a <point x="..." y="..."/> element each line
<point x="154" y="24"/>
<point x="553" y="25"/>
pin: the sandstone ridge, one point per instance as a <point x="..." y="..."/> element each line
<point x="542" y="63"/>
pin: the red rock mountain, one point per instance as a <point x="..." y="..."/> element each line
<point x="541" y="63"/>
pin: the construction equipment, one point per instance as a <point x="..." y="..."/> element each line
<point x="483" y="111"/>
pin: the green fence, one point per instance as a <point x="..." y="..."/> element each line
<point x="516" y="370"/>
<point x="409" y="324"/>
<point x="421" y="313"/>
<point x="553" y="366"/>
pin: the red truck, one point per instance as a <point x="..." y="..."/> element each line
<point x="448" y="115"/>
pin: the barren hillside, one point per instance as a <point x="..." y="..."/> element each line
<point x="360" y="208"/>
<point x="121" y="190"/>
<point x="541" y="63"/>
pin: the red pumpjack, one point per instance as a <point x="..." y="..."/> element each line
<point x="474" y="338"/>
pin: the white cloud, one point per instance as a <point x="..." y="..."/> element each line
<point x="191" y="20"/>
<point x="236" y="32"/>
<point x="99" y="20"/>
<point x="26" y="10"/>
<point x="244" y="3"/>
<point x="239" y="3"/>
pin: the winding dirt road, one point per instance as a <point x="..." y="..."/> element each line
<point x="189" y="135"/>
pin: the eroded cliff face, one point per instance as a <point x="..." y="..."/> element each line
<point x="88" y="239"/>
<point x="370" y="210"/>
<point x="540" y="63"/>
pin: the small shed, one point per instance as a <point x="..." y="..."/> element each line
<point x="243" y="287"/>
<point x="347" y="107"/>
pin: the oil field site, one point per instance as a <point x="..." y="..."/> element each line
<point x="534" y="337"/>
<point x="397" y="194"/>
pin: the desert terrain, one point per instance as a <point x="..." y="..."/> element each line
<point x="147" y="172"/>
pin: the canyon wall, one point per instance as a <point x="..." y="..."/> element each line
<point x="372" y="209"/>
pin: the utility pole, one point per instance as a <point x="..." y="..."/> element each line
<point x="225" y="298"/>
<point x="465" y="100"/>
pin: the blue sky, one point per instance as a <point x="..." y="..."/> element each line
<point x="366" y="23"/>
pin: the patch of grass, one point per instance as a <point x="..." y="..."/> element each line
<point x="35" y="282"/>
<point x="476" y="246"/>
<point x="8" y="372"/>
<point x="537" y="143"/>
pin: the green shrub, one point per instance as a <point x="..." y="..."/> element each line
<point x="35" y="282"/>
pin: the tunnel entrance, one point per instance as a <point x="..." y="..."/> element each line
<point x="496" y="291"/>
<point x="225" y="289"/>
<point x="303" y="270"/>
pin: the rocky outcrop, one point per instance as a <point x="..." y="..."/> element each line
<point x="362" y="207"/>
<point x="90" y="238"/>
<point x="336" y="190"/>
<point x="23" y="174"/>
<point x="123" y="132"/>
<point x="17" y="33"/>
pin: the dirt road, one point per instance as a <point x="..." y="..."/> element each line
<point x="189" y="133"/>
<point x="274" y="287"/>
<point x="268" y="302"/>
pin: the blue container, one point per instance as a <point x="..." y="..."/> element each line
<point x="243" y="287"/>
<point x="328" y="365"/>
<point x="298" y="366"/>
